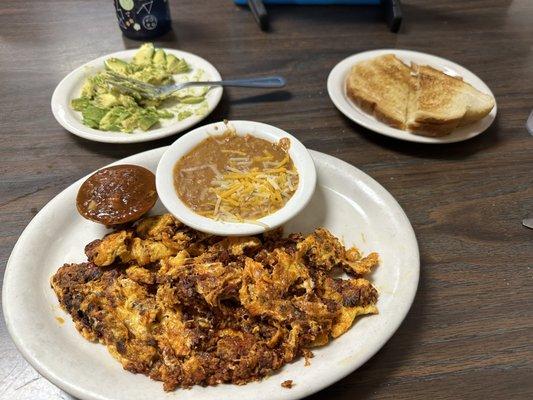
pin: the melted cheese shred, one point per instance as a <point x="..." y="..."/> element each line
<point x="247" y="194"/>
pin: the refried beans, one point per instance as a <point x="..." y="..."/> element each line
<point x="236" y="178"/>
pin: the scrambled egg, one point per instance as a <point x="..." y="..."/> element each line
<point x="188" y="308"/>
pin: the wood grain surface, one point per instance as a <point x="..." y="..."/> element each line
<point x="469" y="332"/>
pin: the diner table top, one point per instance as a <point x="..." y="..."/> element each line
<point x="468" y="334"/>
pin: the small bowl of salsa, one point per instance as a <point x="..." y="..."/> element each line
<point x="236" y="178"/>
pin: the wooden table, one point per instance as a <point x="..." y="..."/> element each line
<point x="469" y="332"/>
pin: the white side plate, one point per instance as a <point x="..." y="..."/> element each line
<point x="346" y="201"/>
<point x="337" y="93"/>
<point x="70" y="88"/>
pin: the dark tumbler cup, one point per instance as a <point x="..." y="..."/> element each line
<point x="143" y="19"/>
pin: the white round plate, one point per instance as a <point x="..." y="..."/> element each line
<point x="70" y="88"/>
<point x="346" y="201"/>
<point x="337" y="93"/>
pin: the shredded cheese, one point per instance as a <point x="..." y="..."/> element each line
<point x="247" y="194"/>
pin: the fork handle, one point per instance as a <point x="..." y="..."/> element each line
<point x="266" y="82"/>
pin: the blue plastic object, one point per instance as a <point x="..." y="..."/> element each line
<point x="315" y="2"/>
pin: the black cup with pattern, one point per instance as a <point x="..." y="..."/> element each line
<point x="143" y="19"/>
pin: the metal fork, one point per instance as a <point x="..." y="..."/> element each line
<point x="147" y="90"/>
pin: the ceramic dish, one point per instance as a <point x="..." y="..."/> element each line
<point x="70" y="87"/>
<point x="337" y="93"/>
<point x="346" y="201"/>
<point x="298" y="153"/>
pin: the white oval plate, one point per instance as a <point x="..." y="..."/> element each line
<point x="347" y="201"/>
<point x="337" y="93"/>
<point x="70" y="88"/>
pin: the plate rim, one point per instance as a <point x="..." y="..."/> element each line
<point x="345" y="106"/>
<point x="59" y="101"/>
<point x="344" y="370"/>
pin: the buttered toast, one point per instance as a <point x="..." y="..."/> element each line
<point x="419" y="98"/>
<point x="439" y="103"/>
<point x="381" y="87"/>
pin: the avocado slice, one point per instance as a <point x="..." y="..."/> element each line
<point x="176" y="65"/>
<point x="106" y="100"/>
<point x="112" y="120"/>
<point x="118" y="66"/>
<point x="146" y="121"/>
<point x="192" y="100"/>
<point x="144" y="55"/>
<point x="127" y="101"/>
<point x="80" y="104"/>
<point x="92" y="116"/>
<point x="164" y="114"/>
<point x="130" y="123"/>
<point x="184" y="115"/>
<point x="152" y="75"/>
<point x="160" y="59"/>
<point x="87" y="89"/>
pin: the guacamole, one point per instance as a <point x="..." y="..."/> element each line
<point x="105" y="108"/>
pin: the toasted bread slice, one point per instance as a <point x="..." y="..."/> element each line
<point x="380" y="86"/>
<point x="439" y="103"/>
<point x="427" y="121"/>
<point x="480" y="105"/>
